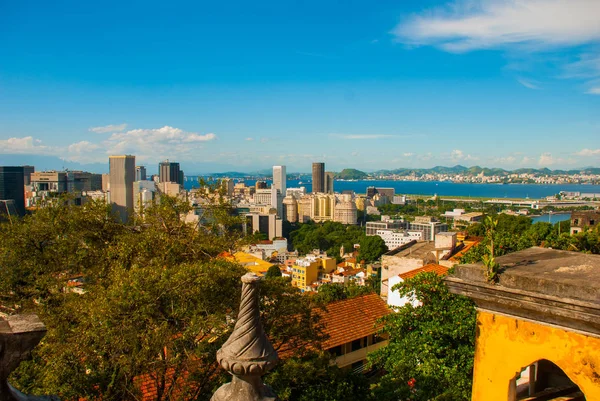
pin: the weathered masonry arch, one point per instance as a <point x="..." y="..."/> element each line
<point x="544" y="312"/>
<point x="545" y="380"/>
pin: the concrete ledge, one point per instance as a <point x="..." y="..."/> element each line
<point x="557" y="287"/>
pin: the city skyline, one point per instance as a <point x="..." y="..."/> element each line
<point x="505" y="84"/>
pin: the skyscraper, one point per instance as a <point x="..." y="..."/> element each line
<point x="12" y="186"/>
<point x="318" y="177"/>
<point x="169" y="172"/>
<point x="28" y="170"/>
<point x="122" y="176"/>
<point x="329" y="182"/>
<point x="140" y="173"/>
<point x="280" y="179"/>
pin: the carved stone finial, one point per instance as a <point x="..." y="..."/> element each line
<point x="19" y="334"/>
<point x="247" y="354"/>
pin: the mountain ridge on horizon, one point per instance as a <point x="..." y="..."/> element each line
<point x="43" y="163"/>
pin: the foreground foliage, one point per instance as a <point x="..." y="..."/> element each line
<point x="431" y="347"/>
<point x="515" y="233"/>
<point x="313" y="378"/>
<point x="157" y="301"/>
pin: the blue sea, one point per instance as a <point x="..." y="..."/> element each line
<point x="551" y="218"/>
<point x="441" y="188"/>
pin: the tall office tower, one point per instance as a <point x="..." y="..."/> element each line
<point x="280" y="179"/>
<point x="318" y="177"/>
<point x="329" y="182"/>
<point x="28" y="170"/>
<point x="169" y="172"/>
<point x="228" y="186"/>
<point x="122" y="176"/>
<point x="260" y="185"/>
<point x="140" y="173"/>
<point x="12" y="186"/>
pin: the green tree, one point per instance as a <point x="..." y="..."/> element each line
<point x="273" y="271"/>
<point x="313" y="377"/>
<point x="329" y="237"/>
<point x="371" y="248"/>
<point x="157" y="303"/>
<point x="431" y="347"/>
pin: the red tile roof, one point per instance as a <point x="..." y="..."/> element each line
<point x="467" y="246"/>
<point x="350" y="272"/>
<point x="351" y="319"/>
<point x="432" y="267"/>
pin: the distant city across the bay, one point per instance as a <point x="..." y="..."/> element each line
<point x="432" y="188"/>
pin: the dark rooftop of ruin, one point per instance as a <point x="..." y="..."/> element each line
<point x="552" y="286"/>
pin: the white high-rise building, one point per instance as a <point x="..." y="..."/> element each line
<point x="122" y="176"/>
<point x="280" y="179"/>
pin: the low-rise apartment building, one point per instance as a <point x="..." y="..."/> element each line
<point x="351" y="329"/>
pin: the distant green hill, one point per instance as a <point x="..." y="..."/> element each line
<point x="351" y="174"/>
<point x="475" y="170"/>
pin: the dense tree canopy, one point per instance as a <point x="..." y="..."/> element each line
<point x="331" y="292"/>
<point x="331" y="236"/>
<point x="515" y="233"/>
<point x="313" y="377"/>
<point x="157" y="300"/>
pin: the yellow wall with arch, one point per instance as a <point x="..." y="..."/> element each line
<point x="506" y="344"/>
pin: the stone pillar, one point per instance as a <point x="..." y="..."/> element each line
<point x="19" y="334"/>
<point x="247" y="354"/>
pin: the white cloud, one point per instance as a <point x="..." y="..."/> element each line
<point x="528" y="84"/>
<point x="426" y="156"/>
<point x="84" y="152"/>
<point x="157" y="143"/>
<point x="408" y="154"/>
<point x="82" y="147"/>
<point x="535" y="24"/>
<point x="527" y="160"/>
<point x="199" y="138"/>
<point x="108" y="128"/>
<point x="458" y="155"/>
<point x="547" y="159"/>
<point x="588" y="152"/>
<point x="587" y="66"/>
<point x="25" y="145"/>
<point x="249" y="139"/>
<point x="507" y="160"/>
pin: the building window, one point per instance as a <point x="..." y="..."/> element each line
<point x="356" y="344"/>
<point x="337" y="351"/>
<point x="575" y="222"/>
<point x="592" y="222"/>
<point x="358" y="367"/>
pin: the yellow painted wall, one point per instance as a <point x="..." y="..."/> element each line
<point x="305" y="275"/>
<point x="506" y="344"/>
<point x="328" y="265"/>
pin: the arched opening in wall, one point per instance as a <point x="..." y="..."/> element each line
<point x="541" y="381"/>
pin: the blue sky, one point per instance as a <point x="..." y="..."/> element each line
<point x="246" y="85"/>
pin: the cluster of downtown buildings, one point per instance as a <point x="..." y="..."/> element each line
<point x="128" y="188"/>
<point x="22" y="188"/>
